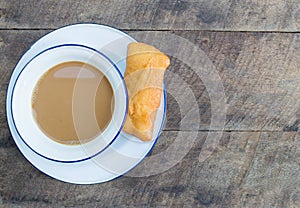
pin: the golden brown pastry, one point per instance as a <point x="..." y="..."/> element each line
<point x="145" y="68"/>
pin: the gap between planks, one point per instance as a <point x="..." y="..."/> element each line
<point x="226" y="130"/>
<point x="163" y="30"/>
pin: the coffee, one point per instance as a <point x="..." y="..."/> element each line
<point x="73" y="102"/>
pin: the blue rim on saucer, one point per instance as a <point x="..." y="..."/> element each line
<point x="116" y="134"/>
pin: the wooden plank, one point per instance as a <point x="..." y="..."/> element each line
<point x="3" y="124"/>
<point x="247" y="169"/>
<point x="227" y="15"/>
<point x="264" y="183"/>
<point x="259" y="72"/>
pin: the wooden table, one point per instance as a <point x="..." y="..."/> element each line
<point x="254" y="47"/>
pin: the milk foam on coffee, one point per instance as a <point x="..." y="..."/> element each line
<point x="73" y="103"/>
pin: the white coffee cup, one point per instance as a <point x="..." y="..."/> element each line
<point x="25" y="122"/>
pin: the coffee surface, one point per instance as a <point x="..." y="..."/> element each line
<point x="73" y="103"/>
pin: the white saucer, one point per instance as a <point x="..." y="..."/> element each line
<point x="126" y="152"/>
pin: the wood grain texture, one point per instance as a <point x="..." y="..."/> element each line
<point x="256" y="162"/>
<point x="229" y="15"/>
<point x="259" y="72"/>
<point x="247" y="169"/>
